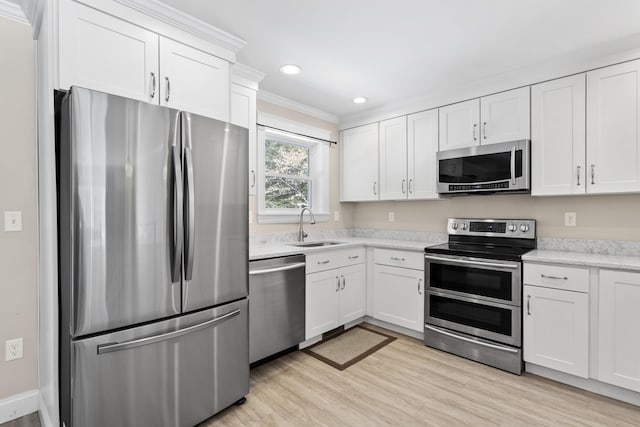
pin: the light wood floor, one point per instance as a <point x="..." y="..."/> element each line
<point x="408" y="384"/>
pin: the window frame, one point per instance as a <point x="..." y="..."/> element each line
<point x="318" y="178"/>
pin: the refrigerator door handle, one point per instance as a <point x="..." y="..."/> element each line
<point x="190" y="214"/>
<point x="176" y="215"/>
<point x="127" y="345"/>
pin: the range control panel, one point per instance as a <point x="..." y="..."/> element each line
<point x="517" y="228"/>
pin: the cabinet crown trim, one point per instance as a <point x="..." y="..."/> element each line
<point x="178" y="19"/>
<point x="12" y="11"/>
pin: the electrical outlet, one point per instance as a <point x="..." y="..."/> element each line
<point x="392" y="216"/>
<point x="336" y="216"/>
<point x="12" y="220"/>
<point x="570" y="219"/>
<point x="13" y="349"/>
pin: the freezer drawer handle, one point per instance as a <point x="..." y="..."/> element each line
<point x="111" y="347"/>
<point x="277" y="269"/>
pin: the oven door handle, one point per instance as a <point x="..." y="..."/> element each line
<point x="469" y="262"/>
<point x="482" y="343"/>
<point x="513" y="165"/>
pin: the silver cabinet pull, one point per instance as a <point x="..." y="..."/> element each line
<point x="354" y="257"/>
<point x="397" y="259"/>
<point x="344" y="282"/>
<point x="528" y="305"/>
<point x="578" y="173"/>
<point x="403" y="182"/>
<point x="484" y="130"/>
<point x="410" y="190"/>
<point x="544" y="276"/>
<point x="324" y="262"/>
<point x="473" y="132"/>
<point x="253" y="178"/>
<point x="337" y="283"/>
<point x="593" y="174"/>
<point x="374" y="188"/>
<point x="153" y="85"/>
<point x="168" y="87"/>
<point x="419" y="282"/>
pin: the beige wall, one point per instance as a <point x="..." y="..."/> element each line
<point x="598" y="217"/>
<point x="18" y="305"/>
<point x="346" y="211"/>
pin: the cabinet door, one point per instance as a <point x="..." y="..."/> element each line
<point x="459" y="125"/>
<point x="556" y="329"/>
<point x="398" y="296"/>
<point x="558" y="137"/>
<point x="618" y="338"/>
<point x="243" y="113"/>
<point x="393" y="159"/>
<point x="322" y="302"/>
<point x="193" y="81"/>
<point x="505" y="116"/>
<point x="613" y="129"/>
<point x="422" y="146"/>
<point x="100" y="52"/>
<point x="353" y="302"/>
<point x="359" y="164"/>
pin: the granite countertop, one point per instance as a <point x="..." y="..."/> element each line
<point x="623" y="262"/>
<point x="283" y="249"/>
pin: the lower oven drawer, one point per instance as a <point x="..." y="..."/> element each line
<point x="493" y="321"/>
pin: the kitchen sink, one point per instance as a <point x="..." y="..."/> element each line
<point x="315" y="244"/>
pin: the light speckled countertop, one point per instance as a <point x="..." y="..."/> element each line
<point x="623" y="262"/>
<point x="283" y="249"/>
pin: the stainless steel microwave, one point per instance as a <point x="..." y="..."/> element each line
<point x="489" y="168"/>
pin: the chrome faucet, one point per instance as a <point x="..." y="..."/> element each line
<point x="301" y="233"/>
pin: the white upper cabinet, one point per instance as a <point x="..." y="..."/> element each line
<point x="422" y="145"/>
<point x="558" y="137"/>
<point x="613" y="129"/>
<point x="393" y="159"/>
<point x="359" y="164"/>
<point x="193" y="80"/>
<point x="100" y="52"/>
<point x="459" y="125"/>
<point x="505" y="116"/>
<point x="243" y="113"/>
<point x="495" y="118"/>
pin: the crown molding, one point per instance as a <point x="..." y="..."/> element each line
<point x="178" y="19"/>
<point x="34" y="11"/>
<point x="12" y="11"/>
<point x="246" y="76"/>
<point x="281" y="101"/>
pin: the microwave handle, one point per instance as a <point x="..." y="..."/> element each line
<point x="513" y="165"/>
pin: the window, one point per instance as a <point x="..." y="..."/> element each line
<point x="293" y="172"/>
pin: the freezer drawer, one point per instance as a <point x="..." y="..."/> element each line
<point x="171" y="373"/>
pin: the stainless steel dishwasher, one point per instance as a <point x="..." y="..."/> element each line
<point x="276" y="305"/>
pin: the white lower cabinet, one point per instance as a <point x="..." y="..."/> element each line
<point x="556" y="329"/>
<point x="618" y="320"/>
<point x="336" y="295"/>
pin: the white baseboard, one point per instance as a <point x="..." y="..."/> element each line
<point x="18" y="405"/>
<point x="45" y="416"/>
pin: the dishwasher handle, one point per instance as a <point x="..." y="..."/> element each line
<point x="277" y="269"/>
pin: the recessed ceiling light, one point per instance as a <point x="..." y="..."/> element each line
<point x="290" y="69"/>
<point x="360" y="100"/>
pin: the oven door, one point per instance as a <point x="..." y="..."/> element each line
<point x="490" y="280"/>
<point x="472" y="316"/>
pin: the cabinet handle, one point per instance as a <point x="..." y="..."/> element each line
<point x="403" y="182"/>
<point x="168" y="85"/>
<point x="374" y="188"/>
<point x="593" y="174"/>
<point x="484" y="130"/>
<point x="473" y="132"/>
<point x="337" y="283"/>
<point x="544" y="276"/>
<point x="410" y="190"/>
<point x="354" y="257"/>
<point x="397" y="259"/>
<point x="153" y="85"/>
<point x="253" y="178"/>
<point x="528" y="305"/>
<point x="578" y="174"/>
<point x="324" y="262"/>
<point x="344" y="281"/>
<point x="419" y="281"/>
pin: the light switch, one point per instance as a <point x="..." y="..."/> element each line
<point x="12" y="220"/>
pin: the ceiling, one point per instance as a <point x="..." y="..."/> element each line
<point x="389" y="51"/>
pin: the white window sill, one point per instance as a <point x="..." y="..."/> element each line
<point x="268" y="218"/>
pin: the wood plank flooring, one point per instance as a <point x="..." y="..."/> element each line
<point x="408" y="384"/>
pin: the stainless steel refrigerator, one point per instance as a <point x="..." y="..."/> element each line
<point x="153" y="242"/>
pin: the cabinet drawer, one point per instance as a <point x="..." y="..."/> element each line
<point x="397" y="258"/>
<point x="334" y="258"/>
<point x="557" y="277"/>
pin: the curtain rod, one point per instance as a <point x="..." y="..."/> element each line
<point x="299" y="134"/>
